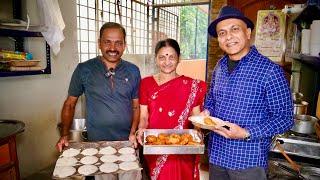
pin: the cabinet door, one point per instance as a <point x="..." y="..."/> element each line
<point x="251" y="7"/>
<point x="9" y="174"/>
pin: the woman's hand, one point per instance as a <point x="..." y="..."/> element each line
<point x="139" y="135"/>
<point x="132" y="139"/>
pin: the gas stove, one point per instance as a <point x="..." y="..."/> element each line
<point x="303" y="149"/>
<point x="304" y="145"/>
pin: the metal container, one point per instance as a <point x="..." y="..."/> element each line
<point x="78" y="130"/>
<point x="78" y="124"/>
<point x="174" y="149"/>
<point x="301" y="108"/>
<point x="304" y="124"/>
<point x="297" y="97"/>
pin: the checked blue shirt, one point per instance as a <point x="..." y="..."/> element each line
<point x="256" y="96"/>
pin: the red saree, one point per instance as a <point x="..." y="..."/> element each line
<point x="169" y="106"/>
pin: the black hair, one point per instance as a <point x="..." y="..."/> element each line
<point x="167" y="42"/>
<point x="110" y="25"/>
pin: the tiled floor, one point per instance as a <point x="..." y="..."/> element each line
<point x="46" y="174"/>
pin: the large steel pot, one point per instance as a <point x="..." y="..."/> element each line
<point x="300" y="108"/>
<point x="304" y="124"/>
<point x="78" y="131"/>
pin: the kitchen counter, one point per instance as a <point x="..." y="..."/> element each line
<point x="10" y="127"/>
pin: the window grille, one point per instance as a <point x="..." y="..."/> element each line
<point x="145" y="24"/>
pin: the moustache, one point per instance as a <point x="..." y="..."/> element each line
<point x="113" y="52"/>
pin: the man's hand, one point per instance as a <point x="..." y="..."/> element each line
<point x="63" y="141"/>
<point x="205" y="113"/>
<point x="234" y="132"/>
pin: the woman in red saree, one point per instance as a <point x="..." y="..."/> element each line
<point x="166" y="101"/>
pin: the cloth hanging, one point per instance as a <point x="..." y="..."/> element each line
<point x="51" y="17"/>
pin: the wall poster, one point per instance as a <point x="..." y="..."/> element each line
<point x="270" y="34"/>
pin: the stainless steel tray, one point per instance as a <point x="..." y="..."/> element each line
<point x="174" y="149"/>
<point x="115" y="144"/>
<point x="299" y="148"/>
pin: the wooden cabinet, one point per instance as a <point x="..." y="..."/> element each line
<point x="9" y="165"/>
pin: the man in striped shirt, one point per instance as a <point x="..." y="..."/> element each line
<point x="251" y="94"/>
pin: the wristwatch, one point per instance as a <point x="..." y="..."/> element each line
<point x="248" y="135"/>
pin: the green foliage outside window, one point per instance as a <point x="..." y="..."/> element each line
<point x="193" y="32"/>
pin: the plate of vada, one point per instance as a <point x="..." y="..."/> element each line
<point x="207" y="122"/>
<point x="173" y="141"/>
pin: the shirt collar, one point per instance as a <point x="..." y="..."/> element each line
<point x="247" y="58"/>
<point x="119" y="65"/>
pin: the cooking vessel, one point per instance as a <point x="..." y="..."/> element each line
<point x="78" y="131"/>
<point x="304" y="124"/>
<point x="297" y="97"/>
<point x="305" y="173"/>
<point x="300" y="108"/>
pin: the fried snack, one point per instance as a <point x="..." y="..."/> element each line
<point x="162" y="141"/>
<point x="208" y="121"/>
<point x="193" y="143"/>
<point x="151" y="138"/>
<point x="184" y="141"/>
<point x="187" y="136"/>
<point x="173" y="139"/>
<point x="170" y="139"/>
<point x="157" y="143"/>
<point x="163" y="136"/>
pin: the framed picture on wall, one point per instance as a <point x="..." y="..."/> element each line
<point x="270" y="34"/>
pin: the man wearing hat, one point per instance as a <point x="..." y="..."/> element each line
<point x="250" y="93"/>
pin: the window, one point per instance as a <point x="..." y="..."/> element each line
<point x="145" y="25"/>
<point x="133" y="15"/>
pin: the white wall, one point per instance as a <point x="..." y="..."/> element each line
<point x="37" y="100"/>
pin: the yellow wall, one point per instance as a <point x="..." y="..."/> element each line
<point x="193" y="68"/>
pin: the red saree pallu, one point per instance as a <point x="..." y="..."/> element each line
<point x="169" y="106"/>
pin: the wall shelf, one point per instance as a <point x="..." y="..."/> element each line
<point x="313" y="61"/>
<point x="19" y="35"/>
<point x="308" y="70"/>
